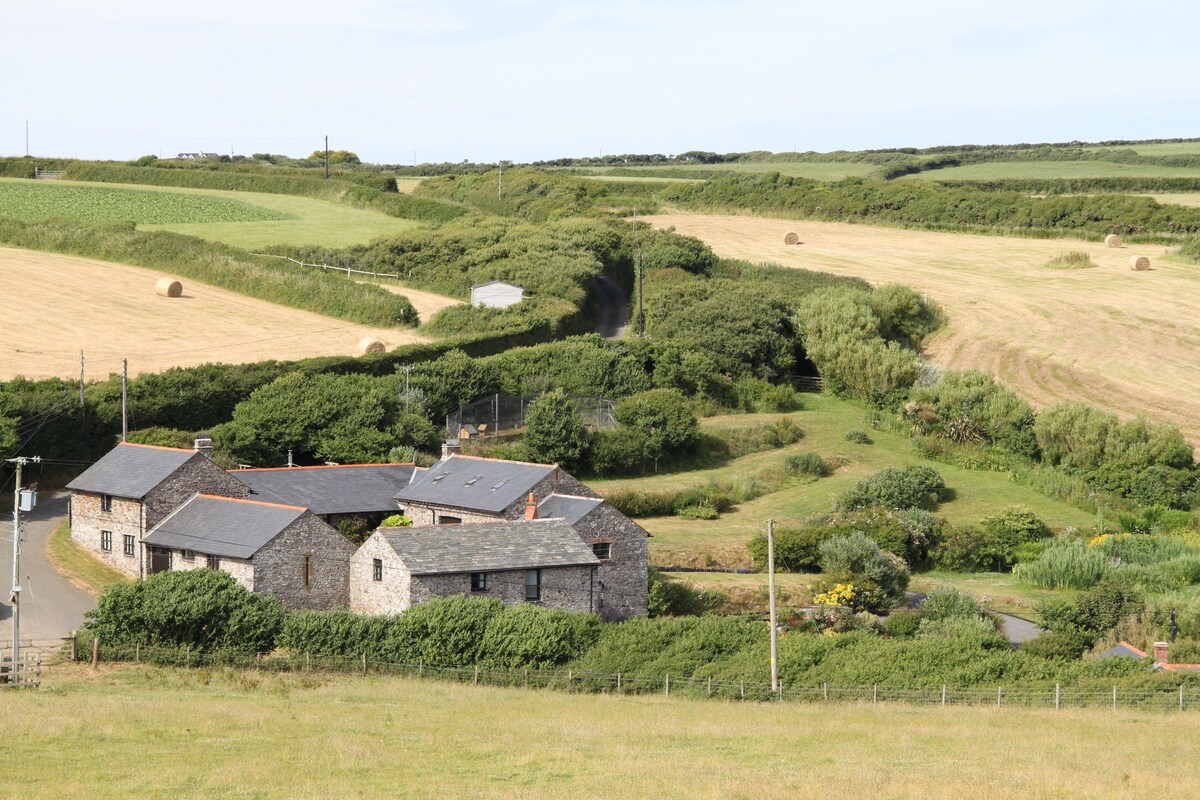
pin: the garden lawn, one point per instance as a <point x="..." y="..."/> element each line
<point x="826" y="420"/>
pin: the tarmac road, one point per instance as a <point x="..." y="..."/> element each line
<point x="612" y="309"/>
<point x="50" y="606"/>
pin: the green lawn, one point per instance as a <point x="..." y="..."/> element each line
<point x="147" y="732"/>
<point x="1160" y="149"/>
<point x="825" y="422"/>
<point x="78" y="566"/>
<point x="997" y="170"/>
<point x="305" y="221"/>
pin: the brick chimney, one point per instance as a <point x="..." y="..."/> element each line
<point x="203" y="445"/>
<point x="1161" y="655"/>
<point x="450" y="447"/>
<point x="531" y="507"/>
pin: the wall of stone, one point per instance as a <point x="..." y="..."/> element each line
<point x="564" y="588"/>
<point x="369" y="596"/>
<point x="241" y="569"/>
<point x="623" y="578"/>
<point x="87" y="521"/>
<point x="199" y="474"/>
<point x="279" y="566"/>
<point x="423" y="515"/>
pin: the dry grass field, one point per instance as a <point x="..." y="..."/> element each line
<point x="1122" y="340"/>
<point x="57" y="305"/>
<point x="426" y="303"/>
<point x="146" y="732"/>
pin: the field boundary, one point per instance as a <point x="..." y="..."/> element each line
<point x="1116" y="697"/>
<point x="346" y="270"/>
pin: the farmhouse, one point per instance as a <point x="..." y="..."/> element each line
<point x="496" y="294"/>
<point x="466" y="490"/>
<point x="537" y="561"/>
<point x="133" y="488"/>
<point x="270" y="548"/>
<point x="333" y="493"/>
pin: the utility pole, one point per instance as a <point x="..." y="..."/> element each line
<point x="500" y="183"/>
<point x="124" y="399"/>
<point x="81" y="379"/>
<point x="771" y="585"/>
<point x="641" y="271"/>
<point x="27" y="138"/>
<point x="327" y="156"/>
<point x="19" y="461"/>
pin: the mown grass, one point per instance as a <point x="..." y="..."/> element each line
<point x="825" y="422"/>
<point x="78" y="566"/>
<point x="996" y="170"/>
<point x="315" y="736"/>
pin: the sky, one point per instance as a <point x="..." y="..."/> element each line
<point x="399" y="81"/>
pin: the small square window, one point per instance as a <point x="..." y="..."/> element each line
<point x="189" y="555"/>
<point x="106" y="502"/>
<point x="533" y="584"/>
<point x="478" y="581"/>
<point x="106" y="541"/>
<point x="602" y="550"/>
<point x="214" y="562"/>
<point x="377" y="569"/>
<point x="128" y="544"/>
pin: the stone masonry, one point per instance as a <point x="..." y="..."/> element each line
<point x="279" y="566"/>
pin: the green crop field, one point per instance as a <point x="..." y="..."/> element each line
<point x="996" y="170"/>
<point x="277" y="218"/>
<point x="266" y="736"/>
<point x="686" y="542"/>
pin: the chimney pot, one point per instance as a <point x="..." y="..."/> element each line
<point x="203" y="444"/>
<point x="1161" y="653"/>
<point x="531" y="507"/>
<point x="450" y="447"/>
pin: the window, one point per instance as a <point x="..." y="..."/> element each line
<point x="189" y="555"/>
<point x="308" y="567"/>
<point x="602" y="550"/>
<point x="533" y="584"/>
<point x="128" y="544"/>
<point x="444" y="520"/>
<point x="478" y="581"/>
<point x="106" y="502"/>
<point x="214" y="562"/>
<point x="106" y="541"/>
<point x="377" y="569"/>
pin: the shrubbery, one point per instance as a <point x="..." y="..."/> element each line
<point x="878" y="578"/>
<point x="895" y="487"/>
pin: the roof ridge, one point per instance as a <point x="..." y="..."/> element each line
<point x="320" y="466"/>
<point x="157" y="447"/>
<point x="499" y="460"/>
<point x="1137" y="650"/>
<point x="247" y="500"/>
<point x="571" y="497"/>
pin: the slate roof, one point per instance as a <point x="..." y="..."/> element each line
<point x="1122" y="650"/>
<point x="223" y="526"/>
<point x="345" y="489"/>
<point x="131" y="470"/>
<point x="490" y="547"/>
<point x="475" y="484"/>
<point x="568" y="507"/>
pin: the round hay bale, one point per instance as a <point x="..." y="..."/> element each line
<point x="1140" y="263"/>
<point x="791" y="238"/>
<point x="168" y="287"/>
<point x="1112" y="240"/>
<point x="369" y="346"/>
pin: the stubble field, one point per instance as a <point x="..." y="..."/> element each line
<point x="1122" y="340"/>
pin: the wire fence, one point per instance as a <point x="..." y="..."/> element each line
<point x="498" y="414"/>
<point x="346" y="270"/>
<point x="1116" y="697"/>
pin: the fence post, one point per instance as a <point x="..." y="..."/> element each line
<point x="1057" y="696"/>
<point x="570" y="677"/>
<point x="475" y="680"/>
<point x="364" y="662"/>
<point x="710" y="687"/>
<point x="667" y="685"/>
<point x="95" y="652"/>
<point x="943" y="694"/>
<point x="420" y="667"/>
<point x="1114" y="697"/>
<point x="875" y="693"/>
<point x="137" y="653"/>
<point x="619" y="685"/>
<point x="825" y="692"/>
<point x="74" y="646"/>
<point x="999" y="696"/>
<point x="525" y="678"/>
<point x="1181" y="697"/>
<point x="743" y="690"/>
<point x="306" y="662"/>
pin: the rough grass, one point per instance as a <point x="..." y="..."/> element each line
<point x="75" y="564"/>
<point x="682" y="542"/>
<point x="997" y="170"/>
<point x="1072" y="259"/>
<point x="312" y="736"/>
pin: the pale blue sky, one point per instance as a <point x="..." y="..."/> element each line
<point x="529" y="79"/>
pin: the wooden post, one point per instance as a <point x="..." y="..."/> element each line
<point x="710" y="687"/>
<point x="943" y="694"/>
<point x="306" y="662"/>
<point x="525" y="678"/>
<point x="95" y="652"/>
<point x="999" y="696"/>
<point x="570" y="677"/>
<point x="137" y="653"/>
<point x="825" y="692"/>
<point x="74" y="646"/>
<point x="1181" y="697"/>
<point x="667" y="685"/>
<point x="1114" y="697"/>
<point x="1057" y="696"/>
<point x="475" y="680"/>
<point x="364" y="662"/>
<point x="421" y="667"/>
<point x="875" y="693"/>
<point x="743" y="690"/>
<point x="619" y="685"/>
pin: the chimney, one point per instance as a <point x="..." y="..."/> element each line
<point x="1161" y="655"/>
<point x="451" y="447"/>
<point x="531" y="507"/>
<point x="203" y="445"/>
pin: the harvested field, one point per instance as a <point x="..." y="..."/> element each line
<point x="1124" y="341"/>
<point x="111" y="311"/>
<point x="426" y="303"/>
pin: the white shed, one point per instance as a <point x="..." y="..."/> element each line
<point x="496" y="294"/>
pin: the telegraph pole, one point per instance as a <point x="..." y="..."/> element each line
<point x="641" y="271"/>
<point x="124" y="399"/>
<point x="81" y="379"/>
<point x="327" y="156"/>
<point x="500" y="183"/>
<point x="19" y="461"/>
<point x="771" y="584"/>
<point x="27" y="138"/>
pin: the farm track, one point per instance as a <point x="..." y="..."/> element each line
<point x="58" y="305"/>
<point x="1125" y="341"/>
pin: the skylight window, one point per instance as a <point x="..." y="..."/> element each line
<point x="440" y="477"/>
<point x="498" y="485"/>
<point x="473" y="481"/>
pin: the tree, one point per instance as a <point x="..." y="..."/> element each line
<point x="662" y="419"/>
<point x="554" y="432"/>
<point x="336" y="157"/>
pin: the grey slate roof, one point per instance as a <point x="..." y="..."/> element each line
<point x="1122" y="650"/>
<point x="490" y="547"/>
<point x="568" y="507"/>
<point x="346" y="489"/>
<point x="223" y="526"/>
<point x="131" y="470"/>
<point x="475" y="484"/>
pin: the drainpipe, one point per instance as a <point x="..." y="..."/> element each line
<point x="592" y="590"/>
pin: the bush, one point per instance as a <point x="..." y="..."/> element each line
<point x="895" y="487"/>
<point x="902" y="624"/>
<point x="977" y="628"/>
<point x="879" y="579"/>
<point x="668" y="598"/>
<point x="966" y="548"/>
<point x="396" y="521"/>
<point x="529" y="636"/>
<point x="1059" y="645"/>
<point x="201" y="608"/>
<point x="796" y="549"/>
<point x="554" y="432"/>
<point x="858" y="437"/>
<point x="808" y="464"/>
<point x="1095" y="612"/>
<point x="971" y="407"/>
<point x="1065" y="565"/>
<point x="946" y="602"/>
<point x="641" y="503"/>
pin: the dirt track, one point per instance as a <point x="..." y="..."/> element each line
<point x="1118" y="339"/>
<point x="57" y="305"/>
<point x="426" y="303"/>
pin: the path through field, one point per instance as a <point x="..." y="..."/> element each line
<point x="1122" y="340"/>
<point x="426" y="303"/>
<point x="57" y="305"/>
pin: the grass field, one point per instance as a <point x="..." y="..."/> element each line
<point x="817" y="170"/>
<point x="1121" y="340"/>
<point x="1191" y="199"/>
<point x="996" y="170"/>
<point x="721" y="542"/>
<point x="83" y="570"/>
<point x="110" y="312"/>
<point x="129" y="731"/>
<point x="268" y="219"/>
